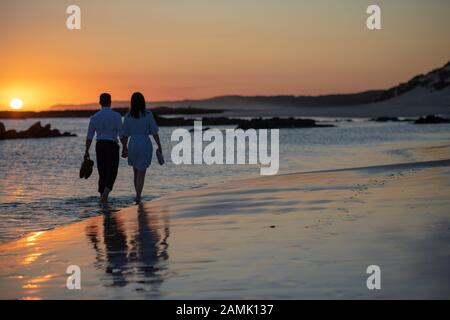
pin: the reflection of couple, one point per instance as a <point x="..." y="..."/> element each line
<point x="138" y="125"/>
<point x="142" y="248"/>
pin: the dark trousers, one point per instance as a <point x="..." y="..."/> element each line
<point x="107" y="163"/>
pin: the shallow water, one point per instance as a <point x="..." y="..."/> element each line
<point x="40" y="188"/>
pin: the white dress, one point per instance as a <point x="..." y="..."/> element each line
<point x="140" y="148"/>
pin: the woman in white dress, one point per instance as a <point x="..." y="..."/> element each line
<point x="138" y="125"/>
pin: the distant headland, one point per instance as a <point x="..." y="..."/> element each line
<point x="423" y="94"/>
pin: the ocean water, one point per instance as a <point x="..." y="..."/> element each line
<point x="40" y="188"/>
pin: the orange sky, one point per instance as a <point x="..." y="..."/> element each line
<point x="201" y="48"/>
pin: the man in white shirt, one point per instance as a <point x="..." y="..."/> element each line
<point x="107" y="124"/>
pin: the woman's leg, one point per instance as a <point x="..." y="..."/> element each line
<point x="140" y="179"/>
<point x="135" y="175"/>
<point x="134" y="179"/>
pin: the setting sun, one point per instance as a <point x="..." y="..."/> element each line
<point x="16" y="104"/>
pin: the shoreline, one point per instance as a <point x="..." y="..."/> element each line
<point x="99" y="208"/>
<point x="332" y="223"/>
<point x="385" y="167"/>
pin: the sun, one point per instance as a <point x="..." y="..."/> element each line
<point x="16" y="104"/>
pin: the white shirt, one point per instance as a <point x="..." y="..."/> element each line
<point x="106" y="123"/>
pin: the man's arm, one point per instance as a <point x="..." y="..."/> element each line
<point x="124" y="141"/>
<point x="89" y="138"/>
<point x="88" y="146"/>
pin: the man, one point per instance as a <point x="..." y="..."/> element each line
<point x="107" y="124"/>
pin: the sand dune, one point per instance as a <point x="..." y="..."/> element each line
<point x="416" y="103"/>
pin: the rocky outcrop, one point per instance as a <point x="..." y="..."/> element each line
<point x="278" y="123"/>
<point x="431" y="119"/>
<point x="390" y="119"/>
<point x="258" y="123"/>
<point x="35" y="131"/>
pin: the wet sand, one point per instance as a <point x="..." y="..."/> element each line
<point x="305" y="235"/>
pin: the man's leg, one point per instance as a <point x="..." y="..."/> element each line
<point x="101" y="165"/>
<point x="115" y="158"/>
<point x="111" y="168"/>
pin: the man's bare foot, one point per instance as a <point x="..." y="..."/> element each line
<point x="104" y="197"/>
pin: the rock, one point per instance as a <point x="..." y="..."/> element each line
<point x="46" y="130"/>
<point x="10" y="134"/>
<point x="35" y="131"/>
<point x="38" y="131"/>
<point x="431" y="119"/>
<point x="259" y="123"/>
<point x="276" y="123"/>
<point x="386" y="119"/>
<point x="343" y="120"/>
<point x="390" y="119"/>
<point x="55" y="133"/>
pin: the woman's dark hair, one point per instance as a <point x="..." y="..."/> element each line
<point x="137" y="105"/>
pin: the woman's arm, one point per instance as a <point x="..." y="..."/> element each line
<point x="124" y="133"/>
<point x="158" y="142"/>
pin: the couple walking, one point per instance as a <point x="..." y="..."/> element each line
<point x="137" y="126"/>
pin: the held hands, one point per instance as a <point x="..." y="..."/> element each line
<point x="160" y="157"/>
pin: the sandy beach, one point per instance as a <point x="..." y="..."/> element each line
<point x="304" y="235"/>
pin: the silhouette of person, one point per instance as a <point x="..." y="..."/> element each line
<point x="144" y="252"/>
<point x="107" y="124"/>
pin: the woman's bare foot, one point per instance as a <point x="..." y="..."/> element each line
<point x="104" y="197"/>
<point x="138" y="199"/>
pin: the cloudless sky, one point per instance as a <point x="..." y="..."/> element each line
<point x="175" y="49"/>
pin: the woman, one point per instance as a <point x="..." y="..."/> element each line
<point x="138" y="124"/>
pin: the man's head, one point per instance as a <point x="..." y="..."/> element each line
<point x="105" y="100"/>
